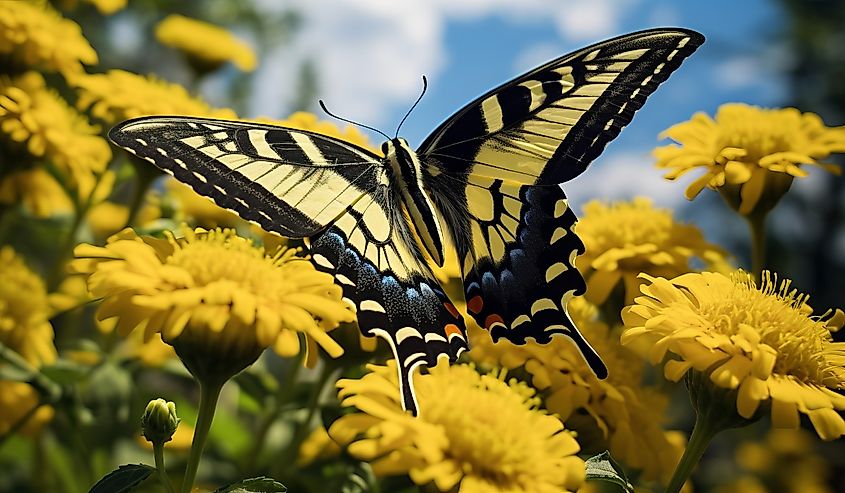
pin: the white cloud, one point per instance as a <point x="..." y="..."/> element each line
<point x="370" y="54"/>
<point x="623" y="175"/>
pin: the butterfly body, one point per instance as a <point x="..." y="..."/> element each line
<point x="485" y="183"/>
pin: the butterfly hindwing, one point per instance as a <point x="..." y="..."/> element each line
<point x="265" y="174"/>
<point x="385" y="277"/>
<point x="546" y="126"/>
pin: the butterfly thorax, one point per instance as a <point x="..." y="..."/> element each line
<point x="407" y="174"/>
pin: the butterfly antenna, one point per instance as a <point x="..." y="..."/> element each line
<point x="323" y="105"/>
<point x="425" y="86"/>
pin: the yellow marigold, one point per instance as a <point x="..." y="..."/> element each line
<point x="623" y="239"/>
<point x="118" y="95"/>
<point x="34" y="34"/>
<point x="761" y="341"/>
<point x="206" y="45"/>
<point x="319" y="445"/>
<point x="749" y="153"/>
<point x="36" y="190"/>
<point x="214" y="296"/>
<point x="24" y="311"/>
<point x="107" y="218"/>
<point x="304" y="120"/>
<point x="39" y="119"/>
<point x="25" y="329"/>
<point x="475" y="434"/>
<point x="625" y="415"/>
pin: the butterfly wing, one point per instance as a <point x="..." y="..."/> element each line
<point x="546" y="126"/>
<point x="493" y="169"/>
<point x="265" y="174"/>
<point x="301" y="184"/>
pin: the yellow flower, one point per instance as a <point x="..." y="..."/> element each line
<point x="35" y="35"/>
<point x="37" y="190"/>
<point x="214" y="296"/>
<point x="475" y="434"/>
<point x="206" y="45"/>
<point x="105" y="7"/>
<point x="623" y="239"/>
<point x="319" y="445"/>
<point x="119" y="95"/>
<point x="25" y="329"/>
<point x="107" y="218"/>
<point x="761" y="341"/>
<point x="24" y="311"/>
<point x="37" y="118"/>
<point x="624" y="415"/>
<point x="198" y="210"/>
<point x="304" y="120"/>
<point x="750" y="154"/>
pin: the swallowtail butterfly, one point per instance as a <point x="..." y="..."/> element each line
<point x="485" y="182"/>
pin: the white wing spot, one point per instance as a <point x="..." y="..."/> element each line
<point x="212" y="127"/>
<point x="200" y="177"/>
<point x="181" y="163"/>
<point x="410" y="359"/>
<point x="431" y="336"/>
<point x="220" y="135"/>
<point x="220" y="190"/>
<point x="558" y="234"/>
<point x="141" y="141"/>
<point x="321" y="260"/>
<point x="555" y="270"/>
<point x="161" y="151"/>
<point x="520" y="320"/>
<point x="542" y="304"/>
<point x="372" y="306"/>
<point x="406" y="332"/>
<point x="560" y="207"/>
<point x="344" y="280"/>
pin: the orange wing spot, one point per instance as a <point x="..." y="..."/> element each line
<point x="450" y="329"/>
<point x="492" y="319"/>
<point x="475" y="304"/>
<point x="451" y="308"/>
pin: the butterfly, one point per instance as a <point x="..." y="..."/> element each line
<point x="485" y="183"/>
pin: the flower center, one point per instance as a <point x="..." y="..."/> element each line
<point x="623" y="224"/>
<point x="759" y="132"/>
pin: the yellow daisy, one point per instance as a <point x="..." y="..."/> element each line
<point x="36" y="190"/>
<point x="623" y="239"/>
<point x="617" y="413"/>
<point x="35" y="35"/>
<point x="207" y="46"/>
<point x="475" y="434"/>
<point x="214" y="296"/>
<point x="39" y="120"/>
<point x="25" y="329"/>
<point x="118" y="95"/>
<point x="759" y="340"/>
<point x="750" y="154"/>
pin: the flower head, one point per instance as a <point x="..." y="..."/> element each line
<point x="624" y="414"/>
<point x="214" y="296"/>
<point x="304" y="120"/>
<point x="16" y="400"/>
<point x="759" y="340"/>
<point x="37" y="190"/>
<point x="118" y="95"/>
<point x="38" y="119"/>
<point x="159" y="421"/>
<point x="35" y="35"/>
<point x="206" y="45"/>
<point x="750" y="154"/>
<point x="623" y="239"/>
<point x="476" y="433"/>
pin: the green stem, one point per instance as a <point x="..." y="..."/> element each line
<point x="757" y="226"/>
<point x="49" y="390"/>
<point x="19" y="423"/>
<point x="144" y="179"/>
<point x="702" y="433"/>
<point x="158" y="452"/>
<point x="209" y="393"/>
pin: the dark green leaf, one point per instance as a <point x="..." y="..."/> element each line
<point x="125" y="478"/>
<point x="254" y="485"/>
<point x="602" y="467"/>
<point x="65" y="372"/>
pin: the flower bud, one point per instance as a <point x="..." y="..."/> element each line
<point x="159" y="421"/>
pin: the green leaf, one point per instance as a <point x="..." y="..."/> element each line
<point x="65" y="372"/>
<point x="254" y="485"/>
<point x="124" y="478"/>
<point x="603" y="467"/>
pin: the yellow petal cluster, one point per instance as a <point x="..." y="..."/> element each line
<point x="214" y="291"/>
<point x="475" y="434"/>
<point x="118" y="95"/>
<point x="35" y="35"/>
<point x="623" y="239"/>
<point x="37" y="118"/>
<point x="25" y="329"/>
<point x="36" y="190"/>
<point x="761" y="341"/>
<point x="205" y="44"/>
<point x="748" y="147"/>
<point x="626" y="415"/>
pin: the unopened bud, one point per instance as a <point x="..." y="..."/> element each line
<point x="159" y="421"/>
